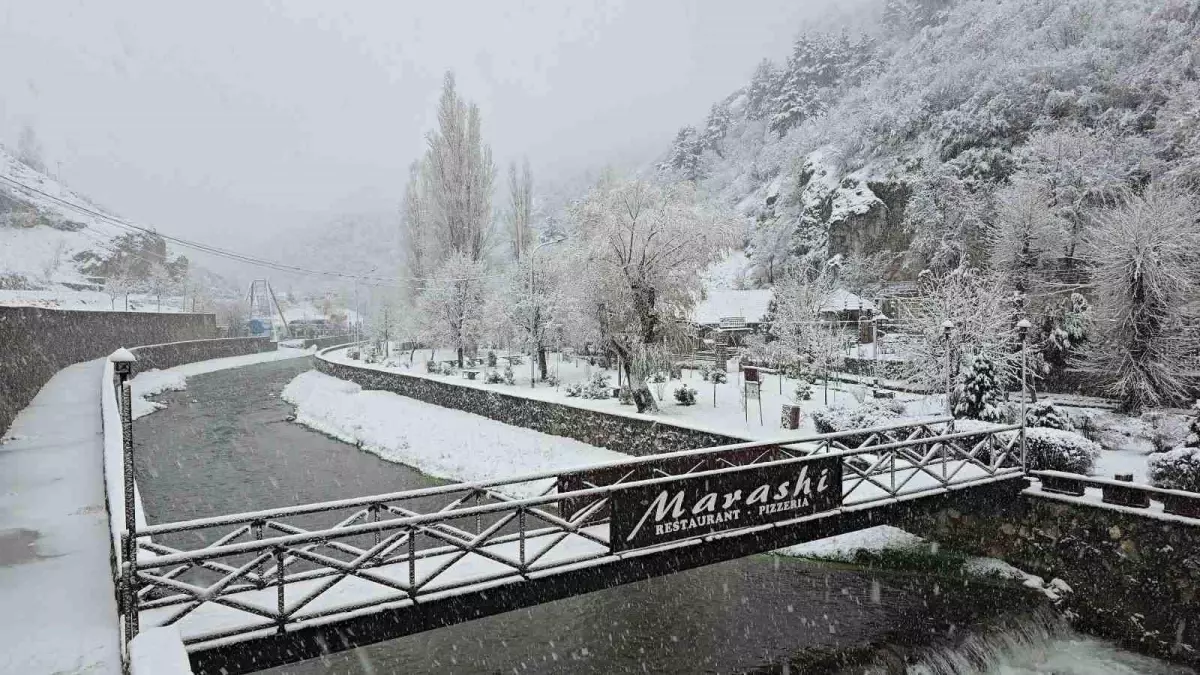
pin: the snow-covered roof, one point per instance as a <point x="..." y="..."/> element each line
<point x="721" y="304"/>
<point x="842" y="300"/>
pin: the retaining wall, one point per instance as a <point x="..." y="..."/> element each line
<point x="1136" y="579"/>
<point x="172" y="354"/>
<point x="35" y="343"/>
<point x="630" y="434"/>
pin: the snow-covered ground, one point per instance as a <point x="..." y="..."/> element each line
<point x="445" y="443"/>
<point x="881" y="538"/>
<point x="727" y="416"/>
<point x="154" y="382"/>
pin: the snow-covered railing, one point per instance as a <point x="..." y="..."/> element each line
<point x="1121" y="493"/>
<point x="282" y="569"/>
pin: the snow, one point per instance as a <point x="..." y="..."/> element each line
<point x="56" y="583"/>
<point x="152" y="383"/>
<point x="158" y="651"/>
<point x="842" y="300"/>
<point x="845" y="546"/>
<point x="90" y="301"/>
<point x="438" y="441"/>
<point x="727" y="417"/>
<point x="727" y="273"/>
<point x="719" y="304"/>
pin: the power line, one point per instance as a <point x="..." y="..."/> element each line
<point x="397" y="282"/>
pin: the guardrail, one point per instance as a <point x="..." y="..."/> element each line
<point x="269" y="571"/>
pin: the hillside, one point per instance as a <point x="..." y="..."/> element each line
<point x="917" y="135"/>
<point x="59" y="249"/>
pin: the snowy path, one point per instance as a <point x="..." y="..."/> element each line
<point x="56" y="588"/>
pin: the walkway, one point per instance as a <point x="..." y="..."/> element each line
<point x="56" y="587"/>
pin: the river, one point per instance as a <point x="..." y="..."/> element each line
<point x="225" y="445"/>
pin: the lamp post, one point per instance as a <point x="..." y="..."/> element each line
<point x="947" y="328"/>
<point x="123" y="361"/>
<point x="533" y="349"/>
<point x="1023" y="327"/>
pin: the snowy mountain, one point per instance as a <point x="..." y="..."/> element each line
<point x="914" y="135"/>
<point x="59" y="249"/>
<point x="40" y="236"/>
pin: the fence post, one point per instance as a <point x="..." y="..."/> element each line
<point x="521" y="526"/>
<point x="279" y="594"/>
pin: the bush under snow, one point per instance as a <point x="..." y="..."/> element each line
<point x="833" y="420"/>
<point x="1057" y="450"/>
<point x="1177" y="469"/>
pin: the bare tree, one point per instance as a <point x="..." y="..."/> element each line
<point x="420" y="243"/>
<point x="520" y="213"/>
<point x="1144" y="258"/>
<point x="450" y="308"/>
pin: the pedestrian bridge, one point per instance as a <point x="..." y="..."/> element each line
<point x="252" y="590"/>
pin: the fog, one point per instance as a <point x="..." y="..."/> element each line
<point x="233" y="121"/>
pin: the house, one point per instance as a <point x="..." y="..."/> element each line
<point x="842" y="306"/>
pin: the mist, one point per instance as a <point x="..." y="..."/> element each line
<point x="235" y="123"/>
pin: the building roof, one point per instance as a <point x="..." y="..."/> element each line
<point x="842" y="300"/>
<point x="722" y="304"/>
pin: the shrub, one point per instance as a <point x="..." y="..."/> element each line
<point x="1048" y="416"/>
<point x="598" y="388"/>
<point x="493" y="377"/>
<point x="685" y="395"/>
<point x="574" y="390"/>
<point x="704" y="371"/>
<point x="1177" y="469"/>
<point x="1049" y="449"/>
<point x="659" y="379"/>
<point x="552" y="380"/>
<point x="491" y="359"/>
<point x="509" y="377"/>
<point x="833" y="420"/>
<point x="625" y="396"/>
<point x="431" y="367"/>
<point x="718" y="377"/>
<point x="804" y="391"/>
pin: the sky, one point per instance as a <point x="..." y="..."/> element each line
<point x="234" y="121"/>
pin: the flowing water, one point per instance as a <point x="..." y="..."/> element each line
<point x="224" y="445"/>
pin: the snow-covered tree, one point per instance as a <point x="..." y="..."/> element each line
<point x="762" y="90"/>
<point x="982" y="312"/>
<point x="1026" y="235"/>
<point x="645" y="246"/>
<point x="715" y="128"/>
<point x="1144" y="260"/>
<point x="685" y="157"/>
<point x="450" y="308"/>
<point x="532" y="309"/>
<point x="419" y="236"/>
<point x="979" y="391"/>
<point x="800" y="294"/>
<point x="461" y="175"/>
<point x="520" y="208"/>
<point x="949" y="217"/>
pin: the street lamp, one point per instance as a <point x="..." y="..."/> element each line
<point x="533" y="350"/>
<point x="123" y="361"/>
<point x="1023" y="327"/>
<point x="947" y="328"/>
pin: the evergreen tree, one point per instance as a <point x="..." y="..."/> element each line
<point x="715" y="128"/>
<point x="762" y="90"/>
<point x="979" y="393"/>
<point x="685" y="155"/>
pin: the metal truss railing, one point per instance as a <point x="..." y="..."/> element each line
<point x="269" y="571"/>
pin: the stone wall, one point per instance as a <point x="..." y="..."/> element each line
<point x="1136" y="579"/>
<point x="328" y="341"/>
<point x="151" y="357"/>
<point x="630" y="434"/>
<point x="35" y="343"/>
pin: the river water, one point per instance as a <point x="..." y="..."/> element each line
<point x="225" y="445"/>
